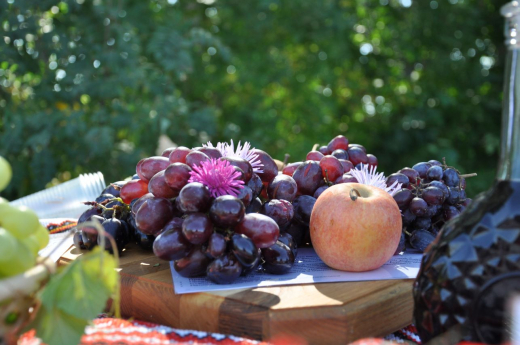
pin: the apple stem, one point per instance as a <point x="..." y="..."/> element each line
<point x="352" y="193"/>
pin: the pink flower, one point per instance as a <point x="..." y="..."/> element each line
<point x="219" y="176"/>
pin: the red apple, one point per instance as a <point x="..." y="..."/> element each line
<point x="355" y="227"/>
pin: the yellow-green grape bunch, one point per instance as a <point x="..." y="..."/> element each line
<point x="21" y="234"/>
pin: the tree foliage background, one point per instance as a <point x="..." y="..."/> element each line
<point x="90" y="85"/>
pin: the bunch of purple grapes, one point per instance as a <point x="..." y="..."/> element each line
<point x="432" y="194"/>
<point x="118" y="222"/>
<point x="324" y="167"/>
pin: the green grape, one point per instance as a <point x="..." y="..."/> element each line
<point x="42" y="236"/>
<point x="20" y="262"/>
<point x="5" y="173"/>
<point x="7" y="246"/>
<point x="20" y="221"/>
<point x="31" y="242"/>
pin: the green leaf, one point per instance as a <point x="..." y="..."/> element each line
<point x="75" y="296"/>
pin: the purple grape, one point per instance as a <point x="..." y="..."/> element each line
<point x="451" y="177"/>
<point x="422" y="223"/>
<point x="450" y="212"/>
<point x="433" y="196"/>
<point x="278" y="258"/>
<point x="400" y="178"/>
<point x="87" y="215"/>
<point x="403" y="198"/>
<point x="193" y="197"/>
<point x="282" y="187"/>
<point x="340" y="154"/>
<point x="245" y="195"/>
<point x="401" y="246"/>
<point x="211" y="152"/>
<point x="422" y="169"/>
<point x="346" y="178"/>
<point x="216" y="246"/>
<point x="78" y="240"/>
<point x="245" y="250"/>
<point x="298" y="232"/>
<point x="226" y="211"/>
<point x="418" y="207"/>
<point x="114" y="228"/>
<point x="171" y="244"/>
<point x="421" y="239"/>
<point x="280" y="210"/>
<point x="454" y="196"/>
<point x="261" y="229"/>
<point x="408" y="217"/>
<point x="197" y="228"/>
<point x="224" y="270"/>
<point x="434" y="173"/>
<point x="256" y="185"/>
<point x="320" y="190"/>
<point x="243" y="164"/>
<point x="308" y="177"/>
<point x="412" y="175"/>
<point x="255" y="206"/>
<point x="288" y="240"/>
<point x="193" y="265"/>
<point x="153" y="214"/>
<point x="303" y="208"/>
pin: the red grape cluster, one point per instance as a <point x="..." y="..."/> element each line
<point x="324" y="167"/>
<point x="432" y="194"/>
<point x="221" y="231"/>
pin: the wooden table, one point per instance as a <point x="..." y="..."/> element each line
<point x="327" y="313"/>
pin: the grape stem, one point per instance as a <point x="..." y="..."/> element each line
<point x="468" y="175"/>
<point x="286" y="159"/>
<point x="353" y="193"/>
<point x="315" y="147"/>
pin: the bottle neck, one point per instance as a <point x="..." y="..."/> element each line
<point x="509" y="164"/>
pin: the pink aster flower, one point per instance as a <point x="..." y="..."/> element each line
<point x="219" y="176"/>
<point x="369" y="177"/>
<point x="244" y="152"/>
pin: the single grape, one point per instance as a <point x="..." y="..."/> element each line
<point x="93" y="211"/>
<point x="433" y="195"/>
<point x="114" y="228"/>
<point x="245" y="250"/>
<point x="314" y="156"/>
<point x="418" y="207"/>
<point x="89" y="235"/>
<point x="434" y="173"/>
<point x="303" y="208"/>
<point x="114" y="188"/>
<point x="435" y="162"/>
<point x="179" y="155"/>
<point x="422" y="223"/>
<point x="241" y="175"/>
<point x="245" y="195"/>
<point x="346" y="178"/>
<point x="412" y="175"/>
<point x="153" y="214"/>
<point x="114" y="207"/>
<point x="451" y="177"/>
<point x="340" y="154"/>
<point x="255" y="206"/>
<point x="454" y="196"/>
<point x="8" y="245"/>
<point x="166" y="153"/>
<point x="211" y="152"/>
<point x="282" y="187"/>
<point x="298" y="232"/>
<point x="135" y="204"/>
<point x="401" y="246"/>
<point x="197" y="228"/>
<point x="6" y="173"/>
<point x="281" y="211"/>
<point x="400" y="178"/>
<point x="226" y="211"/>
<point x="331" y="168"/>
<point x="372" y="160"/>
<point x="22" y="261"/>
<point x="194" y="158"/>
<point x="320" y="190"/>
<point x="421" y="239"/>
<point x="338" y="142"/>
<point x="224" y="270"/>
<point x="103" y="197"/>
<point x="347" y="165"/>
<point x="150" y="166"/>
<point x="291" y="168"/>
<point x="177" y="175"/>
<point x="261" y="229"/>
<point x="308" y="177"/>
<point x="278" y="258"/>
<point x="193" y="265"/>
<point x="19" y="220"/>
<point x="357" y="156"/>
<point x="256" y="185"/>
<point x="143" y="241"/>
<point x="77" y="239"/>
<point x="441" y="186"/>
<point x="288" y="240"/>
<point x="422" y="169"/>
<point x="243" y="164"/>
<point x="433" y="210"/>
<point x="171" y="244"/>
<point x="408" y="217"/>
<point x="159" y="188"/>
<point x="403" y="198"/>
<point x="194" y="197"/>
<point x="450" y="212"/>
<point x="358" y="146"/>
<point x="216" y="247"/>
<point x="324" y="150"/>
<point x="270" y="169"/>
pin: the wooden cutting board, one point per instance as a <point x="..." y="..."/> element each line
<point x="326" y="313"/>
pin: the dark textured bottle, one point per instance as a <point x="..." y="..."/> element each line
<point x="473" y="267"/>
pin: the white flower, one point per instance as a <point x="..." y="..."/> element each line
<point x="369" y="177"/>
<point x="244" y="152"/>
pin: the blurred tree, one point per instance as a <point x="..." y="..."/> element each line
<point x="91" y="85"/>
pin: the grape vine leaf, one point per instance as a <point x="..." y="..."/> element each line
<point x="74" y="296"/>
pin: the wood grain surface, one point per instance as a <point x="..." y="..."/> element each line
<point x="327" y="313"/>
